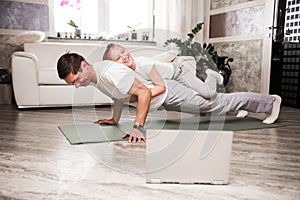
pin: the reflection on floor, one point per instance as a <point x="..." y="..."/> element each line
<point x="37" y="162"/>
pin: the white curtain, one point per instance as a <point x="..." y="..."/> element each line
<point x="178" y="16"/>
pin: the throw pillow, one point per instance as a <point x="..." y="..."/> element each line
<point x="27" y="37"/>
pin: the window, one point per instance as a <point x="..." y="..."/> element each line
<point x="83" y="12"/>
<point x="134" y="13"/>
<point x="111" y="18"/>
<point x="100" y="16"/>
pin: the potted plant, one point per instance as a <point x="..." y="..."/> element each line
<point x="205" y="55"/>
<point x="77" y="29"/>
<point x="133" y="31"/>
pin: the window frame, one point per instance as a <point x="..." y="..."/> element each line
<point x="103" y="18"/>
<point x="102" y="21"/>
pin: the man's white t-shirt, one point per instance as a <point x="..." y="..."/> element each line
<point x="145" y="64"/>
<point x="115" y="80"/>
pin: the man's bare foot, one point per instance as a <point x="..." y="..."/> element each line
<point x="275" y="110"/>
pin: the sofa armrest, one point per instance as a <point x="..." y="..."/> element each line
<point x="24" y="78"/>
<point x="187" y="61"/>
<point x="26" y="55"/>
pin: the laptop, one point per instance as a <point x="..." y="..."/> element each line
<point x="188" y="156"/>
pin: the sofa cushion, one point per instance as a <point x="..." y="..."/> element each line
<point x="49" y="76"/>
<point x="48" y="53"/>
<point x="69" y="95"/>
<point x="26" y="37"/>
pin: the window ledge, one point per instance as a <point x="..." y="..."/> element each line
<point x="76" y="40"/>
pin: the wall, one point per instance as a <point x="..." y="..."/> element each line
<point x="19" y="16"/>
<point x="236" y="28"/>
<point x="24" y="16"/>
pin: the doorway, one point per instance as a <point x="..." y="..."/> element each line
<point x="285" y="61"/>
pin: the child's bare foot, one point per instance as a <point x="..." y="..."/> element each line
<point x="242" y="114"/>
<point x="216" y="75"/>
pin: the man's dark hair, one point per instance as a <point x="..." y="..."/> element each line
<point x="69" y="63"/>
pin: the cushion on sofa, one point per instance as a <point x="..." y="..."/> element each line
<point x="48" y="53"/>
<point x="56" y="95"/>
<point x="49" y="76"/>
<point x="26" y="37"/>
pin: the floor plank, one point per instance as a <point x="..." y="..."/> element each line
<point x="37" y="162"/>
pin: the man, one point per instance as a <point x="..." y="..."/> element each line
<point x="124" y="85"/>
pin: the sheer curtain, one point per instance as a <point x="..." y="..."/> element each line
<point x="176" y="18"/>
<point x="173" y="18"/>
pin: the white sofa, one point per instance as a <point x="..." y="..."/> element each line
<point x="35" y="79"/>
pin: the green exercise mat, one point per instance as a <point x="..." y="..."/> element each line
<point x="95" y="133"/>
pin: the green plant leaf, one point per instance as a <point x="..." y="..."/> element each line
<point x="131" y="28"/>
<point x="189" y="47"/>
<point x="72" y="23"/>
<point x="199" y="26"/>
<point x="190" y="35"/>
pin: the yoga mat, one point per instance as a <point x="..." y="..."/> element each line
<point x="95" y="133"/>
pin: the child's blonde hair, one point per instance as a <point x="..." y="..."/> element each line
<point x="107" y="53"/>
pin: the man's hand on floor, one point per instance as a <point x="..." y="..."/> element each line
<point x="134" y="136"/>
<point x="107" y="121"/>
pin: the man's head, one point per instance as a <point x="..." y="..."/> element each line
<point x="74" y="69"/>
<point x="118" y="53"/>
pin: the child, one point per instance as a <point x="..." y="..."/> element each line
<point x="150" y="69"/>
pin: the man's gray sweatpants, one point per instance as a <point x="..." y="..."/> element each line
<point x="183" y="99"/>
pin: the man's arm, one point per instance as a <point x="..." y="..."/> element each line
<point x="143" y="95"/>
<point x="117" y="110"/>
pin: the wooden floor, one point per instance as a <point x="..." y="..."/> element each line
<point x="37" y="162"/>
